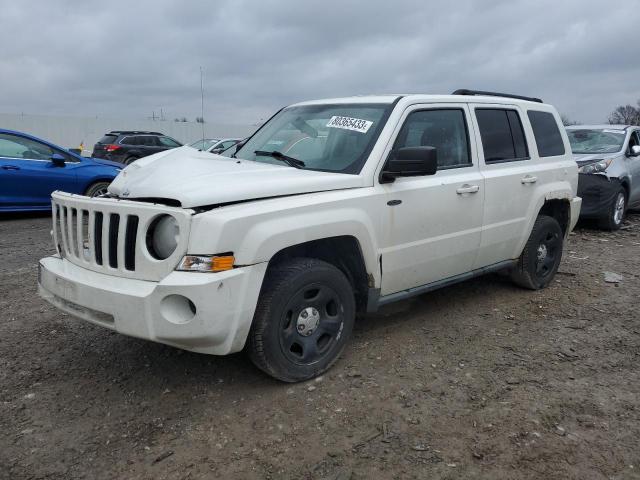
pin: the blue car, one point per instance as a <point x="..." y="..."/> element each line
<point x="30" y="169"/>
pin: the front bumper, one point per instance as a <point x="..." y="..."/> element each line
<point x="201" y="312"/>
<point x="598" y="193"/>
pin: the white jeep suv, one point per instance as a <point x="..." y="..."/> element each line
<point x="331" y="208"/>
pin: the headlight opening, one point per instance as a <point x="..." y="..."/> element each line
<point x="163" y="236"/>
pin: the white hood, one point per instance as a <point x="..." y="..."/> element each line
<point x="197" y="179"/>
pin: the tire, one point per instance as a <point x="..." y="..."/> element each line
<point x="303" y="320"/>
<point x="130" y="160"/>
<point x="616" y="212"/>
<point x="541" y="256"/>
<point x="96" y="189"/>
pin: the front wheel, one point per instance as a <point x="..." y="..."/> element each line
<point x="616" y="212"/>
<point x="97" y="189"/>
<point x="541" y="256"/>
<point x="303" y="319"/>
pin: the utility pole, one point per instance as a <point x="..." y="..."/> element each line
<point x="202" y="103"/>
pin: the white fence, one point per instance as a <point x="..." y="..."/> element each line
<point x="69" y="132"/>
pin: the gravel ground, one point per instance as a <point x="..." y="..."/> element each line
<point x="479" y="380"/>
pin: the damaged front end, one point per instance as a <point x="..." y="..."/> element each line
<point x="598" y="193"/>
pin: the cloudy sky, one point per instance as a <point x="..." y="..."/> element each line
<point x="128" y="59"/>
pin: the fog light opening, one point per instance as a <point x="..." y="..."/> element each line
<point x="177" y="309"/>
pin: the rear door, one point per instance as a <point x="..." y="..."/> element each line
<point x="27" y="174"/>
<point x="513" y="171"/>
<point x="431" y="228"/>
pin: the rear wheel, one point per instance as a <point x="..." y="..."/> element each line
<point x="541" y="256"/>
<point x="617" y="211"/>
<point x="130" y="160"/>
<point x="303" y="320"/>
<point x="97" y="189"/>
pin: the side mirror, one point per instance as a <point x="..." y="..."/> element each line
<point x="635" y="151"/>
<point x="58" y="160"/>
<point x="410" y="162"/>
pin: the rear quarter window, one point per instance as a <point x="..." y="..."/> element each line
<point x="547" y="133"/>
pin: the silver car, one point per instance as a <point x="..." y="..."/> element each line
<point x="608" y="157"/>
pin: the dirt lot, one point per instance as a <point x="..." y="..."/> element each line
<point x="479" y="380"/>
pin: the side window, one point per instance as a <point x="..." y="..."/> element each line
<point x="149" y="141"/>
<point x="129" y="141"/>
<point x="446" y="130"/>
<point x="634" y="140"/>
<point x="168" y="142"/>
<point x="14" y="146"/>
<point x="548" y="137"/>
<point x="502" y="135"/>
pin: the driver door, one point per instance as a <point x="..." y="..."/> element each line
<point x="432" y="224"/>
<point x="27" y="175"/>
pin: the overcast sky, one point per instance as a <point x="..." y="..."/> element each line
<point x="127" y="59"/>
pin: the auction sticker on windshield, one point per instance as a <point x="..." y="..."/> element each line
<point x="348" y="123"/>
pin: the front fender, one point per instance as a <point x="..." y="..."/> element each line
<point x="256" y="238"/>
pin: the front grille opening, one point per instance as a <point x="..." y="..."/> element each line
<point x="73" y="232"/>
<point x="130" y="242"/>
<point x="114" y="225"/>
<point x="84" y="232"/>
<point x="97" y="237"/>
<point x="56" y="226"/>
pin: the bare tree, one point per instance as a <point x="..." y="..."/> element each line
<point x="625" y="115"/>
<point x="566" y="121"/>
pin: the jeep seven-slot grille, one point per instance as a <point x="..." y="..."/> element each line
<point x="95" y="237"/>
<point x="109" y="235"/>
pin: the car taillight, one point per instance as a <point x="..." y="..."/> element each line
<point x="111" y="148"/>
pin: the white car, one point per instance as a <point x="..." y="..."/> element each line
<point x="215" y="145"/>
<point x="332" y="207"/>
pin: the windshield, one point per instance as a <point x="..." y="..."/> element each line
<point x="603" y="140"/>
<point x="204" y="144"/>
<point x="331" y="138"/>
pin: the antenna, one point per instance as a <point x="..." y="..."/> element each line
<point x="202" y="105"/>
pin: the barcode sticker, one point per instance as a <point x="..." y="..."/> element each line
<point x="348" y="123"/>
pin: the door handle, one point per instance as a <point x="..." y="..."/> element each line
<point x="10" y="167"/>
<point x="466" y="188"/>
<point x="529" y="179"/>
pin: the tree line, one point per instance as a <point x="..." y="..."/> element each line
<point x="622" y="115"/>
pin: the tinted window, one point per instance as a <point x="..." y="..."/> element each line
<point x="446" y="130"/>
<point x="149" y="141"/>
<point x="108" y="139"/>
<point x="14" y="146"/>
<point x="130" y="141"/>
<point x="548" y="137"/>
<point x="168" y="142"/>
<point x="502" y="135"/>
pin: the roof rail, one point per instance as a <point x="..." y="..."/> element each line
<point x="136" y="132"/>
<point x="464" y="91"/>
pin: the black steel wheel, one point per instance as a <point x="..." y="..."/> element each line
<point x="541" y="256"/>
<point x="303" y="320"/>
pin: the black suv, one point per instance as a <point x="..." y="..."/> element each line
<point x="128" y="146"/>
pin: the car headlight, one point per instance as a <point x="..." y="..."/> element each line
<point x="163" y="236"/>
<point x="598" y="166"/>
<point x="207" y="263"/>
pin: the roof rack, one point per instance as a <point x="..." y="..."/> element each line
<point x="136" y="132"/>
<point x="464" y="91"/>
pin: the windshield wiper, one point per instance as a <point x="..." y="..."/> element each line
<point x="292" y="162"/>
